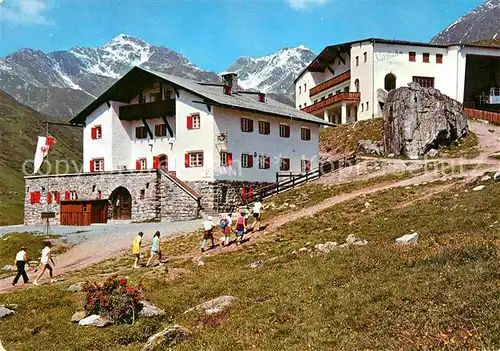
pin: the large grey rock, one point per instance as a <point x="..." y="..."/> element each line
<point x="418" y="119"/>
<point x="77" y="287"/>
<point x="150" y="310"/>
<point x="94" y="320"/>
<point x="407" y="239"/>
<point x="78" y="316"/>
<point x="166" y="338"/>
<point x="369" y="147"/>
<point x="4" y="311"/>
<point x="213" y="306"/>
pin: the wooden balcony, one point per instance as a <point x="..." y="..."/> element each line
<point x="340" y="97"/>
<point x="157" y="109"/>
<point x="330" y="83"/>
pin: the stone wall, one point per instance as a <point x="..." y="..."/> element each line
<point x="222" y="196"/>
<point x="163" y="199"/>
<point x="175" y="202"/>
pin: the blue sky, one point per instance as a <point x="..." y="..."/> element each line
<point x="212" y="34"/>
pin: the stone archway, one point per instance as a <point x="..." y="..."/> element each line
<point x="390" y="82"/>
<point x="121" y="203"/>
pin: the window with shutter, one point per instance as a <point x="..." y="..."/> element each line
<point x="284" y="164"/>
<point x="141" y="133"/>
<point x="160" y="130"/>
<point x="412" y="56"/>
<point x="264" y="127"/>
<point x="284" y="131"/>
<point x="246" y="160"/>
<point x="264" y="162"/>
<point x="98" y="132"/>
<point x="194" y="159"/>
<point x="305" y="134"/>
<point x="246" y="125"/>
<point x="66" y="195"/>
<point x="37" y="197"/>
<point x="439" y="58"/>
<point x="224" y="159"/>
<point x="426" y="57"/>
<point x="305" y="166"/>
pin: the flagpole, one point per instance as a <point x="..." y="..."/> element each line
<point x="47" y="188"/>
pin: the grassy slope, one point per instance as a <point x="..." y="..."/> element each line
<point x="19" y="128"/>
<point x="441" y="294"/>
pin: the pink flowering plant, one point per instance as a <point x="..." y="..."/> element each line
<point x="114" y="299"/>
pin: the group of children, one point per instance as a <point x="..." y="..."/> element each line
<point x="154" y="252"/>
<point x="22" y="261"/>
<point x="226" y="226"/>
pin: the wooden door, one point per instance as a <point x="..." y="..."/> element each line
<point x="125" y="207"/>
<point x="75" y="213"/>
<point x="99" y="212"/>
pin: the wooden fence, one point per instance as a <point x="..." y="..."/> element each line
<point x="492" y="117"/>
<point x="296" y="179"/>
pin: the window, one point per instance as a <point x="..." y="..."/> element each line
<point x="300" y="106"/>
<point x="305" y="87"/>
<point x="284" y="131"/>
<point x="264" y="162"/>
<point x="365" y="57"/>
<point x="96" y="132"/>
<point x="73" y="195"/>
<point x="160" y="130"/>
<point x="330" y="95"/>
<point x="412" y="56"/>
<point x="300" y="89"/>
<point x="142" y="194"/>
<point x="439" y="58"/>
<point x="284" y="164"/>
<point x="226" y="158"/>
<point x="367" y="105"/>
<point x="425" y="82"/>
<point x="246" y="161"/>
<point x="425" y="57"/>
<point x="305" y="134"/>
<point x="141" y="163"/>
<point x="193" y="121"/>
<point x="390" y="82"/>
<point x="264" y="127"/>
<point x="141" y="133"/>
<point x="35" y="197"/>
<point x="305" y="165"/>
<point x="362" y="107"/>
<point x="356" y="85"/>
<point x="246" y="125"/>
<point x="194" y="159"/>
<point x="305" y="104"/>
<point x="357" y="60"/>
<point x="97" y="165"/>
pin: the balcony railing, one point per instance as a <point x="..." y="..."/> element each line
<point x="162" y="108"/>
<point x="340" y="97"/>
<point x="330" y="83"/>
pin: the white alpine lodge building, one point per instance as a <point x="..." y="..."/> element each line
<point x="159" y="147"/>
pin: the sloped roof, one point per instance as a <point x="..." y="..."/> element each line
<point x="209" y="94"/>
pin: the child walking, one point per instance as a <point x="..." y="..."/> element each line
<point x="46" y="257"/>
<point x="136" y="249"/>
<point x="208" y="227"/>
<point x="225" y="226"/>
<point x="155" y="249"/>
<point x="240" y="227"/>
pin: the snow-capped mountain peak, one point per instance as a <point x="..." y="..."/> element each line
<point x="481" y="23"/>
<point x="272" y="73"/>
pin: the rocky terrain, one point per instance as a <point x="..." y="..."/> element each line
<point x="61" y="83"/>
<point x="482" y="23"/>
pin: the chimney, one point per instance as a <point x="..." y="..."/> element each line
<point x="230" y="82"/>
<point x="262" y="97"/>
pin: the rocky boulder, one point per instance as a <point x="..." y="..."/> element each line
<point x="213" y="306"/>
<point x="150" y="310"/>
<point x="94" y="320"/>
<point x="166" y="338"/>
<point x="369" y="147"/>
<point x="418" y="119"/>
<point x="77" y="287"/>
<point x="4" y="311"/>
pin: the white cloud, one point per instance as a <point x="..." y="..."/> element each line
<point x="304" y="4"/>
<point x="25" y="11"/>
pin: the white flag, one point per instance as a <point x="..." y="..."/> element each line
<point x="42" y="149"/>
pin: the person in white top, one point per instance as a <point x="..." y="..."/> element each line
<point x="208" y="227"/>
<point x="257" y="209"/>
<point x="20" y="262"/>
<point x="44" y="262"/>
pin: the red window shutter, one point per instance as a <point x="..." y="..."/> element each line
<point x="186" y="160"/>
<point x="229" y="159"/>
<point x="92" y="165"/>
<point x="201" y="159"/>
<point x="66" y="195"/>
<point x="49" y="197"/>
<point x="32" y="198"/>
<point x="250" y="161"/>
<point x="250" y="125"/>
<point x="93" y="132"/>
<point x="156" y="162"/>
<point x="189" y="122"/>
<point x="37" y="197"/>
<point x="267" y="162"/>
<point x="138" y="164"/>
<point x="58" y="197"/>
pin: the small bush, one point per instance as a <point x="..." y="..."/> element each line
<point x="113" y="299"/>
